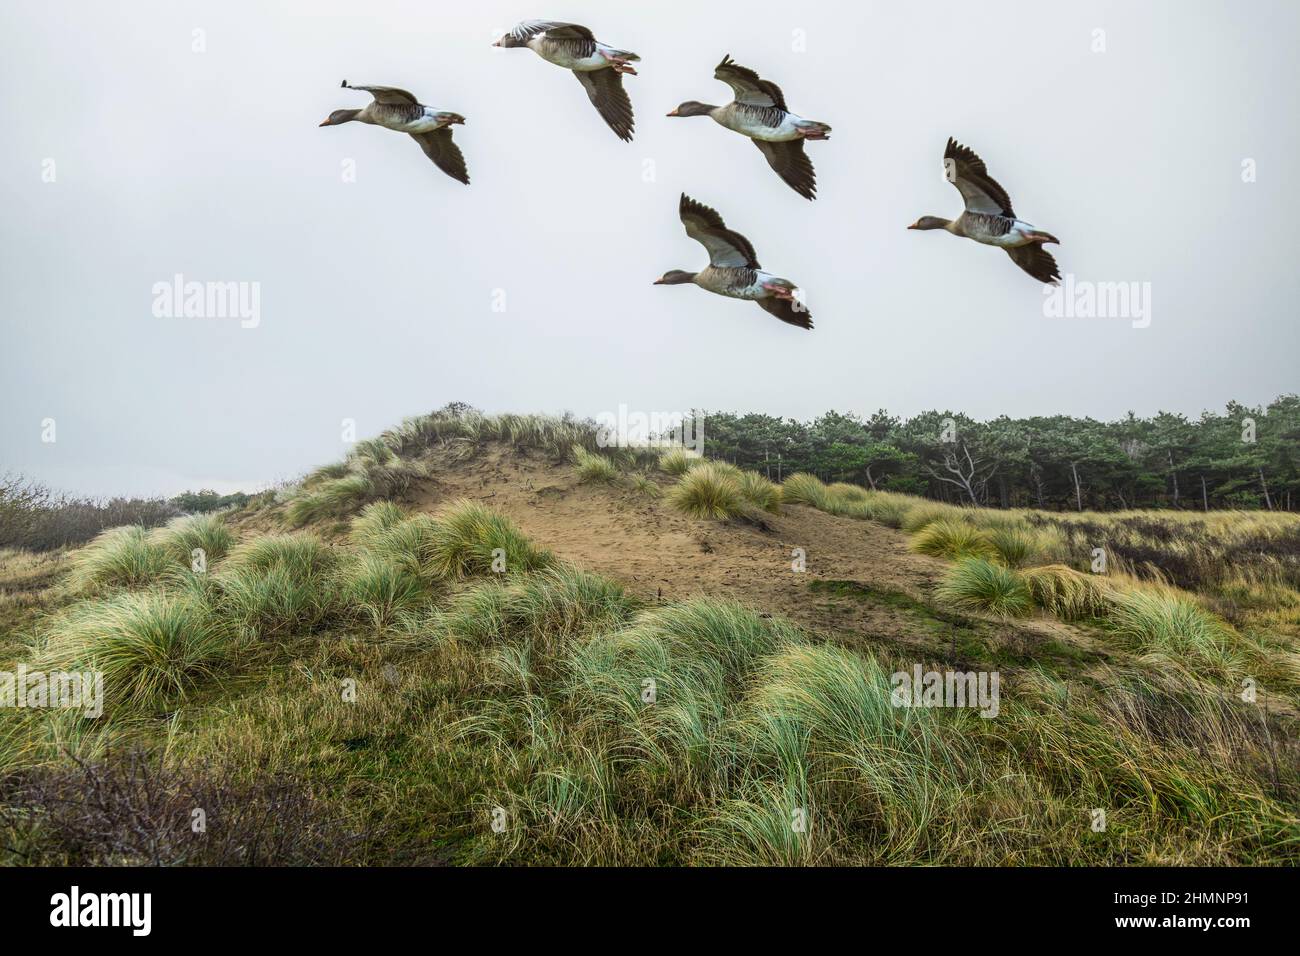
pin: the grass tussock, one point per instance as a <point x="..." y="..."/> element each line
<point x="303" y="554"/>
<point x="153" y="648"/>
<point x="848" y="493"/>
<point x="678" y="461"/>
<point x="805" y="489"/>
<point x="410" y="543"/>
<point x="331" y="498"/>
<point x="760" y="492"/>
<point x="975" y="584"/>
<point x="708" y="491"/>
<point x="594" y="467"/>
<point x="1069" y="594"/>
<point x="1015" y="545"/>
<point x="120" y="557"/>
<point x="277" y="586"/>
<point x="375" y="520"/>
<point x="1163" y="622"/>
<point x="952" y="539"/>
<point x="471" y="538"/>
<point x="646" y="486"/>
<point x="918" y="517"/>
<point x="551" y="606"/>
<point x="186" y="539"/>
<point x="379" y="590"/>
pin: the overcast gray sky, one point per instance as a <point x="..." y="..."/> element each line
<point x="377" y="295"/>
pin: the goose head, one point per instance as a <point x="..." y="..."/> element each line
<point x="510" y="40"/>
<point x="340" y="116"/>
<point x="675" y="277"/>
<point x="693" y="108"/>
<point x="929" y="222"/>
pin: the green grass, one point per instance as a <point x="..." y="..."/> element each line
<point x="616" y="732"/>
<point x="152" y="648"/>
<point x="332" y="498"/>
<point x="120" y="557"/>
<point x="1067" y="593"/>
<point x="276" y="603"/>
<point x="303" y="554"/>
<point x="916" y="518"/>
<point x="379" y="590"/>
<point x="1175" y="627"/>
<point x="677" y="462"/>
<point x="643" y="484"/>
<point x="468" y="538"/>
<point x="760" y="492"/>
<point x="409" y="542"/>
<point x="375" y="520"/>
<point x="1015" y="545"/>
<point x="953" y="539"/>
<point x="552" y="605"/>
<point x="848" y="493"/>
<point x="708" y="491"/>
<point x="978" y="585"/>
<point x="183" y="536"/>
<point x="277" y="586"/>
<point x="889" y="510"/>
<point x="594" y="467"/>
<point x="805" y="489"/>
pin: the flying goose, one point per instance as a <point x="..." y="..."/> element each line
<point x="989" y="218"/>
<point x="598" y="67"/>
<point x="397" y="109"/>
<point x="759" y="112"/>
<point x="733" y="268"/>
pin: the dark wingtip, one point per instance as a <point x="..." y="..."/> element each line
<point x="343" y="85"/>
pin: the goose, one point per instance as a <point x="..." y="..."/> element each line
<point x="733" y="268"/>
<point x="598" y="66"/>
<point x="989" y="218"/>
<point x="759" y="112"/>
<point x="399" y="110"/>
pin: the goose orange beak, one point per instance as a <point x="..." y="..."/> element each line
<point x="325" y="123"/>
<point x="673" y="113"/>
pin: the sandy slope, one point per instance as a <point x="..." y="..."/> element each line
<point x="659" y="553"/>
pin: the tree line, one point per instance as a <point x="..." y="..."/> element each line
<point x="34" y="517"/>
<point x="1243" y="457"/>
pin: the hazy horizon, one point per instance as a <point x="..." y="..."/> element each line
<point x="131" y="157"/>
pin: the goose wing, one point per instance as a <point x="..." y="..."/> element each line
<point x="787" y="311"/>
<point x="792" y="164"/>
<point x="388" y="95"/>
<point x="605" y="90"/>
<point x="579" y="37"/>
<point x="749" y="88"/>
<point x="726" y="247"/>
<point x="1037" y="261"/>
<point x="446" y="155"/>
<point x="980" y="191"/>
